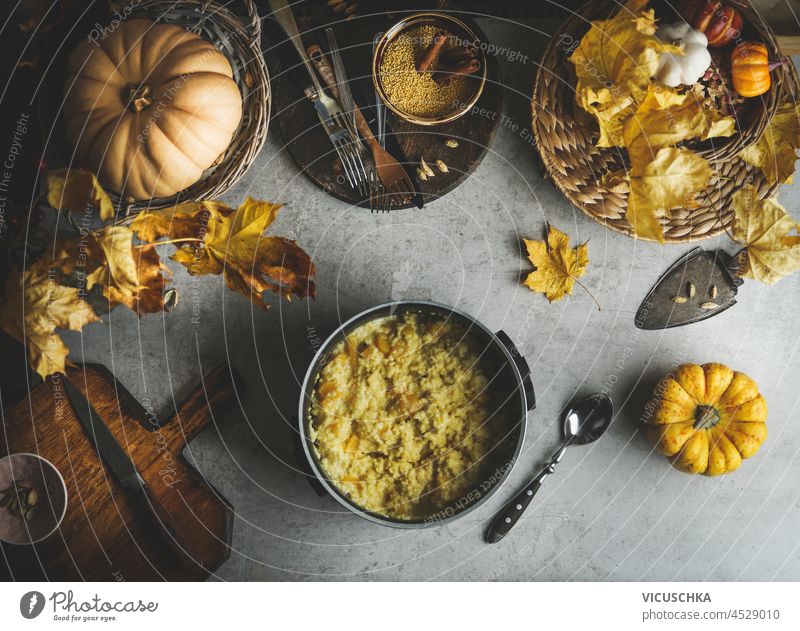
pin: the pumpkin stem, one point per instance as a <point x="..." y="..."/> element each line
<point x="706" y="417"/>
<point x="139" y="97"/>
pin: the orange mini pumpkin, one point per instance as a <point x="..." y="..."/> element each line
<point x="707" y="419"/>
<point x="750" y="67"/>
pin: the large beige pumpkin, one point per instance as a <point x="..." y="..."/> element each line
<point x="150" y="107"/>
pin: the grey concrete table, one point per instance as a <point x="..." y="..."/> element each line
<point x="613" y="511"/>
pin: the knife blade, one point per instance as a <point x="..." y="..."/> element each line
<point x="126" y="473"/>
<point x="671" y="302"/>
<point x="104" y="442"/>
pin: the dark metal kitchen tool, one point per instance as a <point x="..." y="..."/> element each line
<point x="112" y="453"/>
<point x="699" y="285"/>
<point x="583" y="423"/>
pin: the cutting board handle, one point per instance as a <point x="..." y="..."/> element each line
<point x="216" y="389"/>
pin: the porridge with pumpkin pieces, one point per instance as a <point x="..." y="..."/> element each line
<point x="403" y="416"/>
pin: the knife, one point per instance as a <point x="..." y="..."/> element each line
<point x="699" y="285"/>
<point x="112" y="453"/>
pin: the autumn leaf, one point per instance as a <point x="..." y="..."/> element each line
<point x="129" y="275"/>
<point x="152" y="278"/>
<point x="614" y="63"/>
<point x="216" y="239"/>
<point x="118" y="268"/>
<point x="671" y="180"/>
<point x="34" y="307"/>
<point x="771" y="237"/>
<point x="77" y="191"/>
<point x="557" y="265"/>
<point x="666" y="118"/>
<point x="776" y="151"/>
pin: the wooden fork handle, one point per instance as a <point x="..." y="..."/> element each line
<point x="325" y="70"/>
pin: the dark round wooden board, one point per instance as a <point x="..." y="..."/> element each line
<point x="294" y="117"/>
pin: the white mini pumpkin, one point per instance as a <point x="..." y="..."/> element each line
<point x="675" y="69"/>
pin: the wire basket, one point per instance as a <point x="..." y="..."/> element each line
<point x="238" y="38"/>
<point x="565" y="136"/>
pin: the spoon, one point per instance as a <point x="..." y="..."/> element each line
<point x="584" y="423"/>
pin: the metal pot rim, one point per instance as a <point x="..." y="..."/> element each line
<point x="334" y="491"/>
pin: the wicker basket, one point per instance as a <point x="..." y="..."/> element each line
<point x="565" y="137"/>
<point x="238" y="38"/>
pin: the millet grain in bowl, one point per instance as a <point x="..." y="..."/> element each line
<point x="404" y="417"/>
<point x="418" y="94"/>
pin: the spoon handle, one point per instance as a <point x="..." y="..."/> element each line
<point x="512" y="511"/>
<point x="510" y="515"/>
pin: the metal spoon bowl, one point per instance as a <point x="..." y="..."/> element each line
<point x="583" y="423"/>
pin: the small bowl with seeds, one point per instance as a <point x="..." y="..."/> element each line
<point x="33" y="499"/>
<point x="429" y="68"/>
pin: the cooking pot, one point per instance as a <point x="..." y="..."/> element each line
<point x="512" y="381"/>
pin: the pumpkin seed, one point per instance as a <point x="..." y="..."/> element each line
<point x="713" y="293"/>
<point x="421" y="175"/>
<point x="690" y="289"/>
<point x="30" y="513"/>
<point x="709" y="305"/>
<point x="451" y="142"/>
<point x="679" y="299"/>
<point x="33" y="498"/>
<point x="442" y="166"/>
<point x="426" y="168"/>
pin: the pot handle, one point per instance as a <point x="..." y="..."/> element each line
<point x="522" y="366"/>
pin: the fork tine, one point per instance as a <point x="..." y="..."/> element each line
<point x="377" y="188"/>
<point x="356" y="173"/>
<point x="386" y="202"/>
<point x="343" y="158"/>
<point x="372" y="191"/>
<point x="362" y="171"/>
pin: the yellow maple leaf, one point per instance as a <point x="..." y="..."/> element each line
<point x="118" y="268"/>
<point x="34" y="307"/>
<point x="671" y="180"/>
<point x="771" y="237"/>
<point x="666" y="118"/>
<point x="131" y="275"/>
<point x="78" y="191"/>
<point x="776" y="151"/>
<point x="222" y="240"/>
<point x="614" y="63"/>
<point x="152" y="278"/>
<point x="557" y="265"/>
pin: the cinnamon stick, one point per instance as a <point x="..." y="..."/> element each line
<point x="455" y="54"/>
<point x="462" y="69"/>
<point x="426" y="59"/>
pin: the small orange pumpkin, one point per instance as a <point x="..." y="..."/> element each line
<point x="750" y="67"/>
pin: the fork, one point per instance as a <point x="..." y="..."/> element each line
<point x="284" y="17"/>
<point x="342" y="91"/>
<point x="345" y="148"/>
<point x="395" y="184"/>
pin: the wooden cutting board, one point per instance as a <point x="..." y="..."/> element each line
<point x="107" y="534"/>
